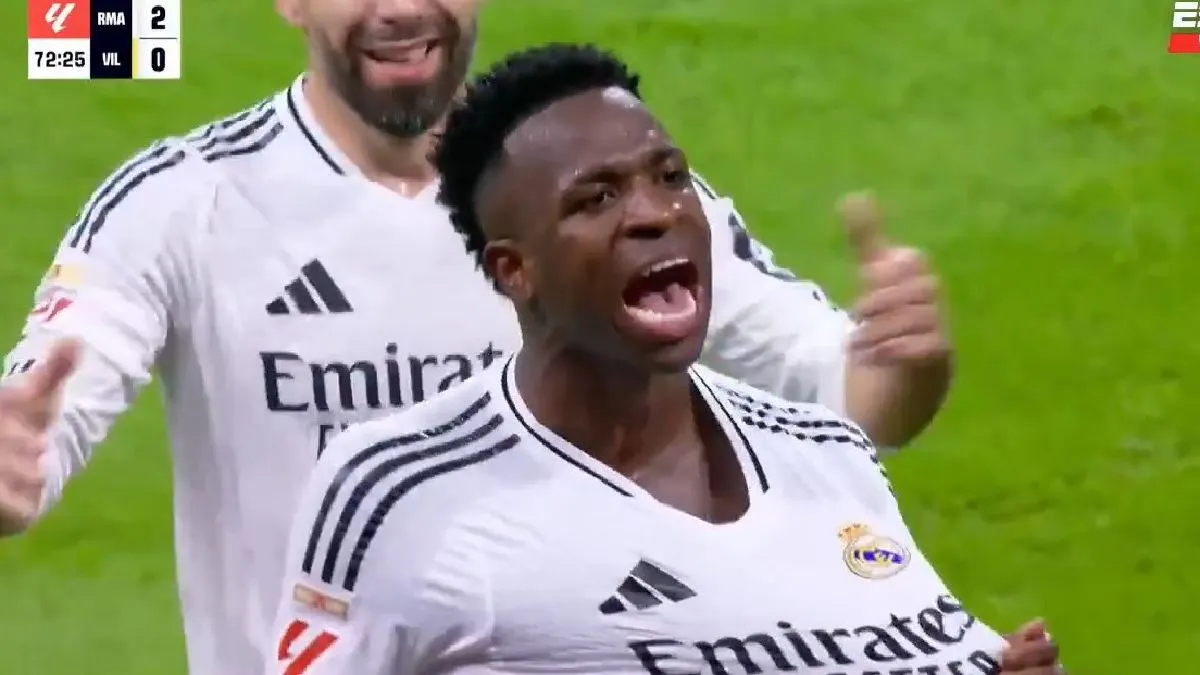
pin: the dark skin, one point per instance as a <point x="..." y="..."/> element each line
<point x="586" y="194"/>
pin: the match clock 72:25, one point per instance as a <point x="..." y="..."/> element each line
<point x="67" y="58"/>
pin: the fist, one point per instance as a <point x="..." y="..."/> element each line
<point x="1030" y="651"/>
<point x="899" y="316"/>
<point x="28" y="408"/>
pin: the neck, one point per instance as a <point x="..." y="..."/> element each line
<point x="618" y="415"/>
<point x="401" y="164"/>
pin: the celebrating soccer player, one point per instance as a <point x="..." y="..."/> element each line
<point x="601" y="504"/>
<point x="289" y="273"/>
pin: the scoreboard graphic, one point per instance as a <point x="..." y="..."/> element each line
<point x="104" y="40"/>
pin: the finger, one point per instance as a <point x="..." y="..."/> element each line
<point x="1042" y="654"/>
<point x="36" y="395"/>
<point x="918" y="291"/>
<point x="863" y="221"/>
<point x="18" y="440"/>
<point x="1032" y="630"/>
<point x="907" y="351"/>
<point x="893" y="266"/>
<point x="16" y="509"/>
<point x="23" y="479"/>
<point x="910" y="320"/>
<point x="47" y="377"/>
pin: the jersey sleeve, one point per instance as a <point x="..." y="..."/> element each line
<point x="769" y="328"/>
<point x="115" y="283"/>
<point x="368" y="587"/>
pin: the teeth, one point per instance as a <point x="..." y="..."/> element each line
<point x="666" y="264"/>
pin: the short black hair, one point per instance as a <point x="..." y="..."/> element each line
<point x="512" y="90"/>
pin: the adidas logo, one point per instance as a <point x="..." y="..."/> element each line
<point x="313" y="283"/>
<point x="646" y="586"/>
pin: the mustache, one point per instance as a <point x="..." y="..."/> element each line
<point x="441" y="25"/>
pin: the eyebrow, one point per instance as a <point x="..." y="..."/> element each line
<point x="605" y="172"/>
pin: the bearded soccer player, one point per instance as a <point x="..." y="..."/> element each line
<point x="288" y="272"/>
<point x="600" y="504"/>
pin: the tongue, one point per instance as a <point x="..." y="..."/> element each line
<point x="670" y="300"/>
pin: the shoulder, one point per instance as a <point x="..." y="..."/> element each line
<point x="402" y="478"/>
<point x="762" y="411"/>
<point x="168" y="181"/>
<point x="823" y="441"/>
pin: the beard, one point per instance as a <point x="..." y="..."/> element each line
<point x="409" y="110"/>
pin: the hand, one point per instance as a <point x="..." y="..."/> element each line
<point x="28" y="408"/>
<point x="900" y="321"/>
<point x="1030" y="651"/>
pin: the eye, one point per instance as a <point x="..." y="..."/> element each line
<point x="593" y="201"/>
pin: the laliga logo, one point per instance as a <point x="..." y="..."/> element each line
<point x="57" y="15"/>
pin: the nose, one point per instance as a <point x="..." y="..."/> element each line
<point x="650" y="212"/>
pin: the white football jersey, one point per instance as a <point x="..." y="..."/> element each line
<point x="283" y="296"/>
<point x="462" y="536"/>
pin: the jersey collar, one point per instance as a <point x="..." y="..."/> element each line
<point x="296" y="109"/>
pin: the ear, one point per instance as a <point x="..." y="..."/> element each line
<point x="504" y="261"/>
<point x="290" y="11"/>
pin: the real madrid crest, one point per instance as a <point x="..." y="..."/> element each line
<point x="869" y="555"/>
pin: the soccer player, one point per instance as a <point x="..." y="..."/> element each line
<point x="287" y="272"/>
<point x="600" y="504"/>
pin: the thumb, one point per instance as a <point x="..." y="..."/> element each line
<point x="41" y="385"/>
<point x="1030" y="631"/>
<point x="863" y="220"/>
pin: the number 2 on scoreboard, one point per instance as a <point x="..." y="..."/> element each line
<point x="158" y="17"/>
<point x="300" y="661"/>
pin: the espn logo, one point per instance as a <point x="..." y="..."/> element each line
<point x="62" y="20"/>
<point x="1186" y="17"/>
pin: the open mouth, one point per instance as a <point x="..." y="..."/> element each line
<point x="661" y="300"/>
<point x="407" y="59"/>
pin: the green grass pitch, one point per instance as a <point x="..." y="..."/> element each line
<point x="1043" y="153"/>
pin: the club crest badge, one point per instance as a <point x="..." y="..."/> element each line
<point x="872" y="556"/>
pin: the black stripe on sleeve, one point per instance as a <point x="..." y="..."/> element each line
<point x="390" y="468"/>
<point x="134" y="166"/>
<point x="257" y="145"/>
<point x="166" y="160"/>
<point x="236" y="134"/>
<point x="398" y="491"/>
<point x="391" y="445"/>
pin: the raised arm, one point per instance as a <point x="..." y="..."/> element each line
<point x="101" y="314"/>
<point x="770" y="329"/>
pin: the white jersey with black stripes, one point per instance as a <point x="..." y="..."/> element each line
<point x="463" y="536"/>
<point x="283" y="296"/>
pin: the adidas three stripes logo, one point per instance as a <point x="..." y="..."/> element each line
<point x="646" y="586"/>
<point x="313" y="284"/>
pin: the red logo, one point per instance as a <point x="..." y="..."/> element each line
<point x="67" y="20"/>
<point x="45" y="311"/>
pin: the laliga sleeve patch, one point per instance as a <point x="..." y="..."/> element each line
<point x="55" y="295"/>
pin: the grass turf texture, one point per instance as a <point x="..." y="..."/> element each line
<point x="1043" y="153"/>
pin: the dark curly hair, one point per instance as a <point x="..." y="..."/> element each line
<point x="511" y="91"/>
